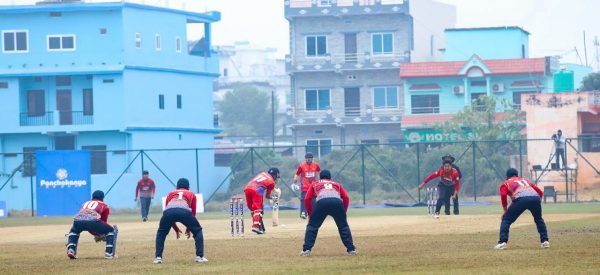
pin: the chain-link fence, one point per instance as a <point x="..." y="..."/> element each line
<point x="373" y="174"/>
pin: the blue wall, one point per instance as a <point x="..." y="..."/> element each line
<point x="492" y="43"/>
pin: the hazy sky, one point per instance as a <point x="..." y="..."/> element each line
<point x="556" y="26"/>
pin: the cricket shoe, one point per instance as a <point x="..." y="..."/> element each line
<point x="436" y="215"/>
<point x="305" y="253"/>
<point x="500" y="246"/>
<point x="545" y="244"/>
<point x="258" y="230"/>
<point x="352" y="253"/>
<point x="201" y="259"/>
<point x="158" y="260"/>
<point x="109" y="256"/>
<point x="303" y="215"/>
<point x="145" y="219"/>
<point x="71" y="254"/>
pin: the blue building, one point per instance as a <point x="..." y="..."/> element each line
<point x="107" y="76"/>
<point x="480" y="61"/>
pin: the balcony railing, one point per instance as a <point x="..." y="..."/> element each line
<point x="425" y="110"/>
<point x="63" y="118"/>
<point x="341" y="3"/>
<point x="344" y="61"/>
<point x="27" y="119"/>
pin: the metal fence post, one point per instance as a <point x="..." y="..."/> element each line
<point x="252" y="160"/>
<point x="362" y="161"/>
<point x="142" y="152"/>
<point x="197" y="173"/>
<point x="521" y="156"/>
<point x="474" y="173"/>
<point x="418" y="169"/>
<point x="31" y="181"/>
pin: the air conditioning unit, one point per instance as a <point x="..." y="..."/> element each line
<point x="351" y="77"/>
<point x="458" y="89"/>
<point x="498" y="88"/>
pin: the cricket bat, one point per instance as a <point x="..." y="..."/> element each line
<point x="276" y="212"/>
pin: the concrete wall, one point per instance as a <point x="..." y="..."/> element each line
<point x="429" y="35"/>
<point x="487" y="43"/>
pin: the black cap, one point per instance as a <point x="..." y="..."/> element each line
<point x="446" y="162"/>
<point x="98" y="195"/>
<point x="511" y="172"/>
<point x="308" y="155"/>
<point x="145" y="172"/>
<point x="325" y="174"/>
<point x="273" y="171"/>
<point x="183" y="183"/>
<point x="448" y="157"/>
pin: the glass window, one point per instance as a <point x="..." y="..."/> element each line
<point x="161" y="102"/>
<point x="385" y="97"/>
<point x="382" y="43"/>
<point x="88" y="102"/>
<point x="425" y="104"/>
<point x="179" y="101"/>
<point x="320" y="147"/>
<point x="317" y="100"/>
<point x="68" y="42"/>
<point x="316" y="45"/>
<point x="54" y="43"/>
<point x="14" y="41"/>
<point x="61" y="42"/>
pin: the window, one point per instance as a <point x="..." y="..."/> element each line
<point x="157" y="42"/>
<point x="317" y="100"/>
<point x="103" y="31"/>
<point x="36" y="103"/>
<point x="3" y="85"/>
<point x="64" y="143"/>
<point x="477" y="102"/>
<point x="178" y="101"/>
<point x="320" y="147"/>
<point x="385" y="97"/>
<point x="316" y="45"/>
<point x="517" y="97"/>
<point x="478" y="83"/>
<point x="88" y="102"/>
<point x="138" y="40"/>
<point x="161" y="102"/>
<point x="324" y="3"/>
<point x="109" y="80"/>
<point x="589" y="143"/>
<point x="29" y="162"/>
<point x="178" y="44"/>
<point x="63" y="81"/>
<point x="64" y="42"/>
<point x="97" y="158"/>
<point x="382" y="43"/>
<point x="225" y="72"/>
<point x="425" y="104"/>
<point x="15" y="41"/>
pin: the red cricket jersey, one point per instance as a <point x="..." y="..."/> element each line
<point x="446" y="178"/>
<point x="145" y="188"/>
<point x="93" y="210"/>
<point x="181" y="198"/>
<point x="308" y="174"/>
<point x="323" y="189"/>
<point x="517" y="187"/>
<point x="261" y="183"/>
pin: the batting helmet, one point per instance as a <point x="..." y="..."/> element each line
<point x="273" y="171"/>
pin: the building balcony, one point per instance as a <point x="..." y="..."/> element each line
<point x="344" y="115"/>
<point x="56" y="118"/>
<point x="345" y="62"/>
<point x="297" y="8"/>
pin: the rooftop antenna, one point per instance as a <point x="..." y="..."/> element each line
<point x="585" y="50"/>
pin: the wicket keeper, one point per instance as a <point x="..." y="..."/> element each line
<point x="255" y="190"/>
<point x="92" y="217"/>
<point x="524" y="195"/>
<point x="448" y="186"/>
<point x="180" y="207"/>
<point x="331" y="200"/>
<point x="307" y="171"/>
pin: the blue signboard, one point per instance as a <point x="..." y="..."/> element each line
<point x="63" y="182"/>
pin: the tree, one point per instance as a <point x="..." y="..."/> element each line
<point x="246" y="111"/>
<point x="591" y="82"/>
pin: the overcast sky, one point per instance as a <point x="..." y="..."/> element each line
<point x="556" y="26"/>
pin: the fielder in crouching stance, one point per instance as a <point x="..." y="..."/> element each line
<point x="331" y="200"/>
<point x="524" y="196"/>
<point x="93" y="217"/>
<point x="254" y="192"/>
<point x="180" y="207"/>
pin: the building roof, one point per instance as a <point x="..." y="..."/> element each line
<point x="489" y="29"/>
<point x="453" y="68"/>
<point x="211" y="16"/>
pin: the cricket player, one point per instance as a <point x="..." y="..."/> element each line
<point x="448" y="186"/>
<point x="92" y="217"/>
<point x="451" y="159"/>
<point x="145" y="189"/>
<point x="260" y="184"/>
<point x="524" y="195"/>
<point x="180" y="207"/>
<point x="307" y="171"/>
<point x="331" y="200"/>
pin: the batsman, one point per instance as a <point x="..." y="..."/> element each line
<point x="261" y="185"/>
<point x="93" y="217"/>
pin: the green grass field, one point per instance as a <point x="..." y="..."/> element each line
<point x="400" y="240"/>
